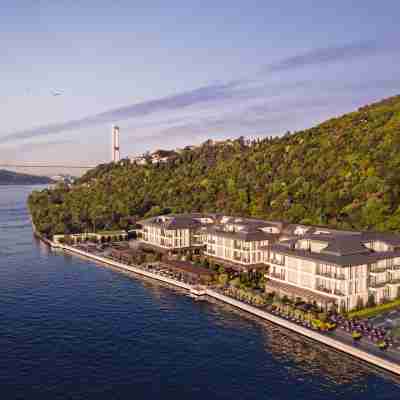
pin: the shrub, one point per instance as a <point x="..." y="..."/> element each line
<point x="371" y="301"/>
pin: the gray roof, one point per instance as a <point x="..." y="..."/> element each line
<point x="342" y="247"/>
<point x="172" y="222"/>
<point x="340" y="260"/>
<point x="246" y="235"/>
<point x="345" y="246"/>
<point x="386" y="237"/>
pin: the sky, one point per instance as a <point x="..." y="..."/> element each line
<point x="180" y="72"/>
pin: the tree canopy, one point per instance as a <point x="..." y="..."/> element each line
<point x="343" y="173"/>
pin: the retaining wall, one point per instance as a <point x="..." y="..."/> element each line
<point x="363" y="355"/>
<point x="353" y="351"/>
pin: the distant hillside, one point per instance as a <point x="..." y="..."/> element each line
<point x="13" y="178"/>
<point x="343" y="173"/>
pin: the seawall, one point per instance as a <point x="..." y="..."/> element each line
<point x="321" y="338"/>
<point x="338" y="345"/>
<point x="125" y="267"/>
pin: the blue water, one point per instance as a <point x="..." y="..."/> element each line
<point x="71" y="329"/>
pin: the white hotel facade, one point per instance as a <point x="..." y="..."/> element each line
<point x="326" y="266"/>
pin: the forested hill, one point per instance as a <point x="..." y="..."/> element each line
<point x="14" y="178"/>
<point x="344" y="172"/>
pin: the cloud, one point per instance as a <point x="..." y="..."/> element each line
<point x="203" y="95"/>
<point x="329" y="55"/>
<point x="212" y="100"/>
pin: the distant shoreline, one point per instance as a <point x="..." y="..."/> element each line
<point x="23" y="184"/>
<point x="11" y="178"/>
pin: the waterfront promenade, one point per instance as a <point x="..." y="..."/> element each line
<point x="341" y="343"/>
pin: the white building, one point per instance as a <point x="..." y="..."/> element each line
<point x="336" y="267"/>
<point x="239" y="242"/>
<point x="327" y="266"/>
<point x="172" y="232"/>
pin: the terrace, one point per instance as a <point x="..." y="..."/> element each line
<point x="376" y="271"/>
<point x="296" y="292"/>
<point x="276" y="275"/>
<point x="331" y="275"/>
<point x="277" y="262"/>
<point x="237" y="266"/>
<point x="377" y="285"/>
<point x="394" y="282"/>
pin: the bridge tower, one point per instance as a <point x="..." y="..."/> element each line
<point x="115" y="155"/>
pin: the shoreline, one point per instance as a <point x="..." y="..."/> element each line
<point x="324" y="339"/>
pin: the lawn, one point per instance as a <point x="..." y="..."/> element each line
<point x="373" y="311"/>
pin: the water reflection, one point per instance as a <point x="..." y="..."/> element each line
<point x="161" y="292"/>
<point x="303" y="357"/>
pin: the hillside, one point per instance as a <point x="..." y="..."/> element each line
<point x="14" y="178"/>
<point x="344" y="172"/>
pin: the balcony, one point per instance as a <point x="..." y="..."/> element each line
<point x="323" y="289"/>
<point x="276" y="275"/>
<point x="277" y="262"/>
<point x="394" y="268"/>
<point x="377" y="285"/>
<point x="331" y="275"/>
<point x="338" y="292"/>
<point x="375" y="271"/>
<point x="394" y="282"/>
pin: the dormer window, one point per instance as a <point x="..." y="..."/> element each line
<point x="300" y="230"/>
<point x="270" y="229"/>
<point x="377" y="245"/>
<point x="322" y="232"/>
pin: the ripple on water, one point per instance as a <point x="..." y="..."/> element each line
<point x="73" y="329"/>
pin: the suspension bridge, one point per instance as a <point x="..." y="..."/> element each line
<point x="44" y="165"/>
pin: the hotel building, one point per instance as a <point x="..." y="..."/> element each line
<point x="240" y="243"/>
<point x="333" y="268"/>
<point x="173" y="232"/>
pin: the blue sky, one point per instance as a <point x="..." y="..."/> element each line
<point x="179" y="72"/>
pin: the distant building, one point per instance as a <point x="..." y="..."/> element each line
<point x="138" y="160"/>
<point x="157" y="157"/>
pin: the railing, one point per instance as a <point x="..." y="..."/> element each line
<point x="277" y="262"/>
<point x="377" y="285"/>
<point x="331" y="275"/>
<point x="338" y="292"/>
<point x="378" y="270"/>
<point x="276" y="275"/>
<point x="323" y="289"/>
<point x="394" y="281"/>
<point x="394" y="268"/>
